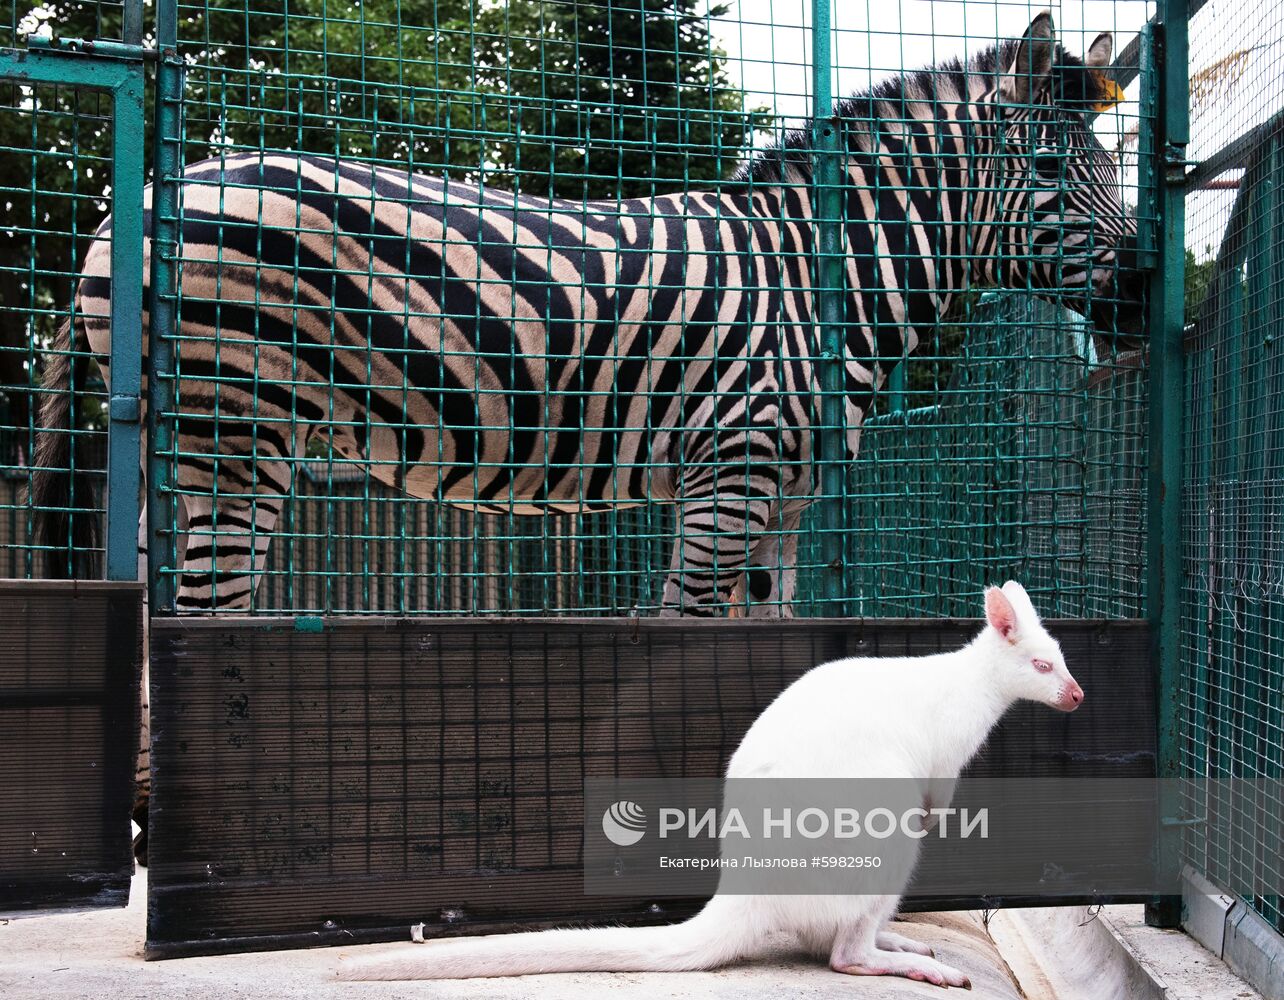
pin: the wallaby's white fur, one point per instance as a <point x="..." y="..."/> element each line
<point x="902" y="717"/>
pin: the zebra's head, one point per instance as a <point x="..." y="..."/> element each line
<point x="1063" y="222"/>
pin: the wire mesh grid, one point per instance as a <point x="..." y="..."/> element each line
<point x="55" y="189"/>
<point x="627" y="381"/>
<point x="73" y="18"/>
<point x="1232" y="697"/>
<point x="509" y="116"/>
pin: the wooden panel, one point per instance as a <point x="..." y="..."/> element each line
<point x="339" y="784"/>
<point x="69" y="687"/>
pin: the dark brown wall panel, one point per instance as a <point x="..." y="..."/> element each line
<point x="70" y="663"/>
<point x="341" y="784"/>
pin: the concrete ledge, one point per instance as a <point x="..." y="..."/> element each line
<point x="1070" y="953"/>
<point x="1077" y="953"/>
<point x="1236" y="933"/>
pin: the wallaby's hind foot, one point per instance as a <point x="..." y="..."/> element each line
<point x="891" y="941"/>
<point x="902" y="963"/>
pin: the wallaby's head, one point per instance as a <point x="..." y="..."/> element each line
<point x="1029" y="664"/>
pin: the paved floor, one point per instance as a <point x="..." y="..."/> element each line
<point x="98" y="955"/>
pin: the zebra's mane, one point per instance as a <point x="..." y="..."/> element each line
<point x="916" y="94"/>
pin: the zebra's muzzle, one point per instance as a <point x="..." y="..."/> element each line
<point x="1118" y="310"/>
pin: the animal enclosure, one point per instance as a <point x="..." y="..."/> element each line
<point x="1008" y="426"/>
<point x="617" y="309"/>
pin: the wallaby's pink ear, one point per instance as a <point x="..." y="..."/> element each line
<point x="1000" y="613"/>
<point x="1020" y="600"/>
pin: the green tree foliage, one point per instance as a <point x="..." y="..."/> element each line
<point x="597" y="98"/>
<point x="590" y="99"/>
<point x="1199" y="275"/>
<point x="54" y="175"/>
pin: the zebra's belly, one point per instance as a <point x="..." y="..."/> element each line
<point x="502" y="471"/>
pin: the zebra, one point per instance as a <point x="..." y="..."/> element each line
<point x="517" y="354"/>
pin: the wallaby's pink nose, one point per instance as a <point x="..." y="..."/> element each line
<point x="1071" y="696"/>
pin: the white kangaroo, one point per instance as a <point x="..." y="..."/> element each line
<point x="897" y="717"/>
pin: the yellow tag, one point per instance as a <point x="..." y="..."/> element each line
<point x="1114" y="93"/>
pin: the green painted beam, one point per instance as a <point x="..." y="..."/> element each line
<point x="125" y="411"/>
<point x="827" y="208"/>
<point x="123" y="79"/>
<point x="167" y="165"/>
<point x="1167" y="417"/>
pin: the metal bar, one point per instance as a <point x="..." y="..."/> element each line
<point x="57" y="67"/>
<point x="1237" y="153"/>
<point x="896" y="386"/>
<point x="1252" y="850"/>
<point x="1167" y="423"/>
<point x="133" y="28"/>
<point x="827" y="208"/>
<point x="127" y="328"/>
<point x="89" y="47"/>
<point x="167" y="160"/>
<point x="1127" y="65"/>
<point x="1147" y="151"/>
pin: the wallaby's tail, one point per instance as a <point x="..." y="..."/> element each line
<point x="715" y="936"/>
<point x="58" y="479"/>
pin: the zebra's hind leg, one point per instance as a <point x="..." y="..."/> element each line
<point x="143" y="762"/>
<point x="716" y="538"/>
<point x="222" y="550"/>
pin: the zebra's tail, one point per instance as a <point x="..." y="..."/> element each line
<point x="59" y="479"/>
<point x="715" y="936"/>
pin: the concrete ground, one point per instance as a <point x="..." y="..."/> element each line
<point x="99" y="955"/>
<point x="1045" y="954"/>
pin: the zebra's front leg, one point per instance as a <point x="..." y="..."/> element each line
<point x="227" y="549"/>
<point x="716" y="540"/>
<point x="766" y="590"/>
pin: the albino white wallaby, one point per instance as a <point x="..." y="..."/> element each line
<point x="897" y="717"/>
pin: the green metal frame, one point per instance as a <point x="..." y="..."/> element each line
<point x="827" y="207"/>
<point x="1165" y="91"/>
<point x="167" y="165"/>
<point x="117" y="68"/>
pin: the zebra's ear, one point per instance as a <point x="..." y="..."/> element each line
<point x="1031" y="61"/>
<point x="1099" y="52"/>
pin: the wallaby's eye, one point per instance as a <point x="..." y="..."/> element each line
<point x="1043" y="666"/>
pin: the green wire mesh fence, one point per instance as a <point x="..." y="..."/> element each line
<point x="1031" y="466"/>
<point x="619" y="104"/>
<point x="1232" y="693"/>
<point x="55" y="175"/>
<point x="303" y="475"/>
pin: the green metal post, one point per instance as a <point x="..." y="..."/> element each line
<point x="896" y="385"/>
<point x="162" y="518"/>
<point x="827" y="208"/>
<point x="132" y="29"/>
<point x="123" y="78"/>
<point x="124" y="408"/>
<point x="1166" y="322"/>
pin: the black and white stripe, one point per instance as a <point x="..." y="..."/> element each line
<point x="515" y="354"/>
